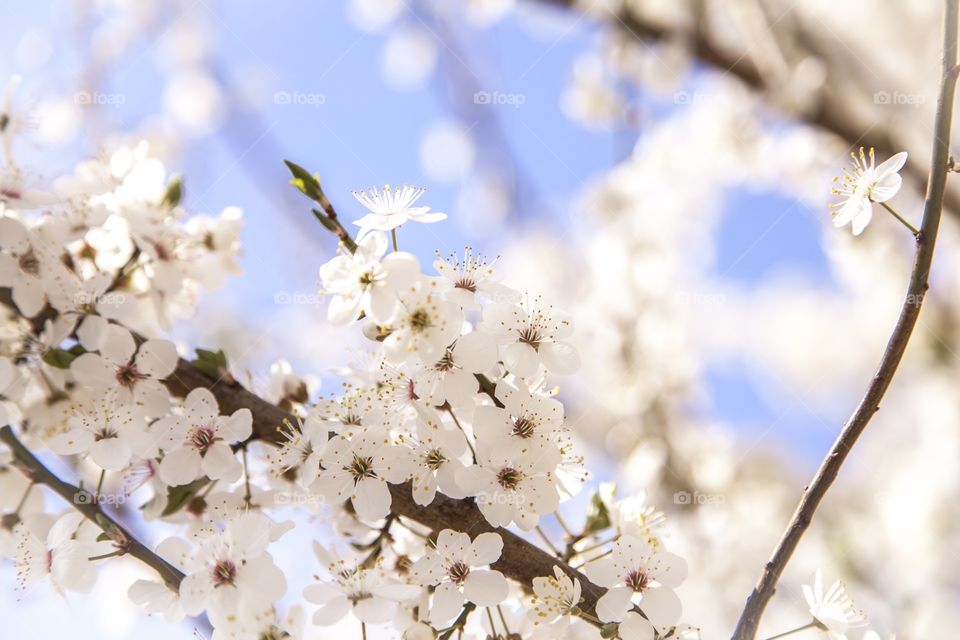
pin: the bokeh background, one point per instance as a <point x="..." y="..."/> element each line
<point x="660" y="169"/>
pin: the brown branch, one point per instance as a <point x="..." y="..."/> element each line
<point x="831" y="113"/>
<point x="896" y="346"/>
<point x="87" y="504"/>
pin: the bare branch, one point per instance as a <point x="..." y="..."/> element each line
<point x="896" y="346"/>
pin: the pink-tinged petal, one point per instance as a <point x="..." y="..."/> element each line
<point x="661" y="606"/>
<point x="321" y="593"/>
<point x="375" y="610"/>
<point x="71" y="443"/>
<point x="486" y="549"/>
<point x="13" y="235"/>
<point x="893" y="164"/>
<point x="157" y="358"/>
<point x="886" y="187"/>
<point x="559" y="358"/>
<point x="219" y="463"/>
<point x="93" y="371"/>
<point x="152" y="398"/>
<point x="612" y="605"/>
<point x="92" y="332"/>
<point x="118" y="346"/>
<point x="371" y="499"/>
<point x="28" y="295"/>
<point x="521" y="359"/>
<point x="447" y="601"/>
<point x="200" y="406"/>
<point x="111" y="454"/>
<point x="238" y="426"/>
<point x="332" y="612"/>
<point x="179" y="467"/>
<point x="486" y="588"/>
<point x="195" y="590"/>
<point x="672" y="569"/>
<point x="635" y="627"/>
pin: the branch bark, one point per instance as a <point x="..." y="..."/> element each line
<point x="831" y="113"/>
<point x="86" y="503"/>
<point x="896" y="346"/>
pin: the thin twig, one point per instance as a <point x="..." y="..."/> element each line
<point x="83" y="502"/>
<point x="896" y="346"/>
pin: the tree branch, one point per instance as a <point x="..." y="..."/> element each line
<point x="87" y="504"/>
<point x="896" y="346"/>
<point x="831" y="112"/>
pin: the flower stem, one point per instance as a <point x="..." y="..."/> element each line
<point x="393" y="238"/>
<point x="460" y="426"/>
<point x="563" y="524"/>
<point x="809" y="625"/>
<point x="103" y="474"/>
<point x="913" y="229"/>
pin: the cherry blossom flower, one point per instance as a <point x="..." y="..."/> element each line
<point x="302" y="448"/>
<point x="638" y="574"/>
<point x="867" y="184"/>
<point x="198" y="442"/>
<point x="435" y="460"/>
<point x="527" y="422"/>
<point x="389" y="208"/>
<point x="109" y="431"/>
<point x="359" y="469"/>
<point x="61" y="554"/>
<point x="135" y="373"/>
<point x="367" y="281"/>
<point x="423" y="325"/>
<point x="513" y="487"/>
<point x="369" y="593"/>
<point x="464" y="280"/>
<point x="458" y="568"/>
<point x="451" y="378"/>
<point x="832" y="608"/>
<point x="230" y="570"/>
<point x="531" y="336"/>
<point x="555" y="599"/>
<point x="21" y="265"/>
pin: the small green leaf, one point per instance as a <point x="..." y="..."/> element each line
<point x="212" y="363"/>
<point x="174" y="193"/>
<point x="307" y="184"/>
<point x="610" y="630"/>
<point x="598" y="516"/>
<point x="178" y="497"/>
<point x="325" y="220"/>
<point x="61" y="358"/>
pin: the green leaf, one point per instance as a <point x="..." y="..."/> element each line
<point x="212" y="363"/>
<point x="174" y="193"/>
<point x="598" y="516"/>
<point x="61" y="358"/>
<point x="325" y="220"/>
<point x="307" y="184"/>
<point x="178" y="497"/>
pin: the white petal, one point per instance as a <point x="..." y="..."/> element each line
<point x="635" y="627"/>
<point x="486" y="588"/>
<point x="371" y="499"/>
<point x="662" y="607"/>
<point x="219" y="463"/>
<point x="612" y="605"/>
<point x="157" y="358"/>
<point x="486" y="549"/>
<point x="179" y="467"/>
<point x="447" y="601"/>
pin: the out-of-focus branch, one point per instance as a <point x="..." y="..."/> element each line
<point x="831" y="111"/>
<point x="87" y="504"/>
<point x="896" y="346"/>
